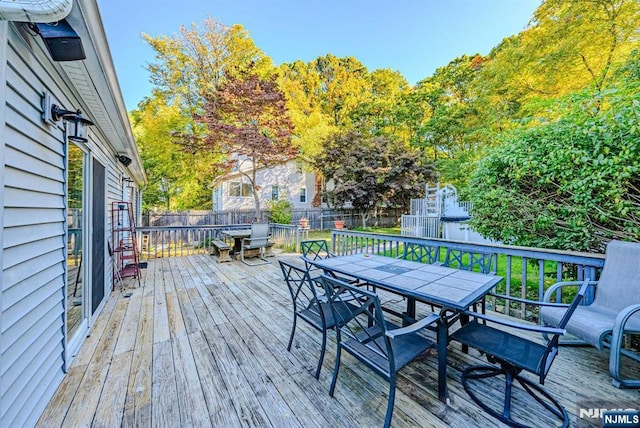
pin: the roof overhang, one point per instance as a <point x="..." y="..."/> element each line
<point x="98" y="87"/>
<point x="94" y="78"/>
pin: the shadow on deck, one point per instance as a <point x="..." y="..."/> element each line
<point x="204" y="344"/>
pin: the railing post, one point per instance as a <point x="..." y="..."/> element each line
<point x="297" y="239"/>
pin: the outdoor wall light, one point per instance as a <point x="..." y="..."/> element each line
<point x="125" y="160"/>
<point x="77" y="130"/>
<point x="62" y="42"/>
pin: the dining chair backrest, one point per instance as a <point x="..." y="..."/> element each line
<point x="552" y="345"/>
<point x="358" y="313"/>
<point x="469" y="260"/>
<point x="421" y="253"/>
<point x="315" y="249"/>
<point x="259" y="234"/>
<point x="303" y="291"/>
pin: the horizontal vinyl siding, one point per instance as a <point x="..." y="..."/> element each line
<point x="31" y="334"/>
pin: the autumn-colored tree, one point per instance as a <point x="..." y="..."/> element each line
<point x="247" y="120"/>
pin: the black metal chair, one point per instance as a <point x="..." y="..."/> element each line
<point x="515" y="354"/>
<point x="309" y="304"/>
<point x="363" y="332"/>
<point x="421" y="253"/>
<point x="319" y="249"/>
<point x="469" y="260"/>
<point x="315" y="249"/>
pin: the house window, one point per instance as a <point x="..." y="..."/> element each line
<point x="303" y="195"/>
<point x="246" y="190"/>
<point x="237" y="188"/>
<point x="234" y="188"/>
<point x="275" y="192"/>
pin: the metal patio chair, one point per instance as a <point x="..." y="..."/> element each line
<point x="515" y="354"/>
<point x="362" y="331"/>
<point x="309" y="304"/>
<point x="319" y="249"/>
<point x="614" y="312"/>
<point x="258" y="240"/>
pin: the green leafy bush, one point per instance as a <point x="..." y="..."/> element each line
<point x="571" y="184"/>
<point x="280" y="211"/>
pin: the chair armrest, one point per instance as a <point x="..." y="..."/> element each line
<point x="557" y="285"/>
<point x="624" y="316"/>
<point x="520" y="326"/>
<point x="418" y="325"/>
<point x="529" y="302"/>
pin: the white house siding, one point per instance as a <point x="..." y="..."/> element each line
<point x="32" y="312"/>
<point x="33" y="241"/>
<point x="289" y="178"/>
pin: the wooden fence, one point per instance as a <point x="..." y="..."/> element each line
<point x="319" y="218"/>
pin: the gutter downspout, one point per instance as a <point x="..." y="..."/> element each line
<point x="34" y="10"/>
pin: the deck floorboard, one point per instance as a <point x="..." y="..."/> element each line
<point x="204" y="344"/>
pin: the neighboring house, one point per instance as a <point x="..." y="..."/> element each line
<point x="56" y="269"/>
<point x="286" y="181"/>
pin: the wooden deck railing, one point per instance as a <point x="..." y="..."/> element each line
<point x="172" y="241"/>
<point x="535" y="268"/>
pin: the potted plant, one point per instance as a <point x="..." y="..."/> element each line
<point x="338" y="223"/>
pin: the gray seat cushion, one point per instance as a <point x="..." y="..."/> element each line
<point x="591" y="323"/>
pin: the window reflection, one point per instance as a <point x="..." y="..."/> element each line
<point x="75" y="283"/>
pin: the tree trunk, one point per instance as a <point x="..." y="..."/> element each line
<point x="365" y="216"/>
<point x="256" y="196"/>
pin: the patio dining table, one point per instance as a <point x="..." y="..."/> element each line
<point x="453" y="290"/>
<point x="237" y="235"/>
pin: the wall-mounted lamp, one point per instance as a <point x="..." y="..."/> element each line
<point x="62" y="42"/>
<point x="77" y="130"/>
<point x="125" y="160"/>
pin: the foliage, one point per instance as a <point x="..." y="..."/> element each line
<point x="281" y="211"/>
<point x="247" y="120"/>
<point x="188" y="67"/>
<point x="370" y="172"/>
<point x="176" y="179"/>
<point x="192" y="63"/>
<point x="571" y="184"/>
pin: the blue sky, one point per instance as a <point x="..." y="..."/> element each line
<point x="412" y="36"/>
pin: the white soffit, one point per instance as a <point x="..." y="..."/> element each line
<point x="34" y="10"/>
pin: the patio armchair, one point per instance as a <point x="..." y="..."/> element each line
<point x="515" y="354"/>
<point x="257" y="241"/>
<point x="362" y="331"/>
<point x="309" y="305"/>
<point x="614" y="312"/>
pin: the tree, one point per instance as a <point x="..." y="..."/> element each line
<point x="247" y="120"/>
<point x="369" y="173"/>
<point x="191" y="64"/>
<point x="176" y="179"/>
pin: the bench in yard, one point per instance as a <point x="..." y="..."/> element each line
<point x="221" y="249"/>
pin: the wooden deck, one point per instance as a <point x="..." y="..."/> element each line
<point x="204" y="344"/>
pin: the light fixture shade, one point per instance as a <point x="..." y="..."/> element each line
<point x="63" y="43"/>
